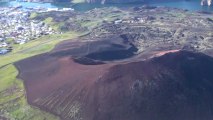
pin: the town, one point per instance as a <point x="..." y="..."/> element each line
<point x="16" y="27"/>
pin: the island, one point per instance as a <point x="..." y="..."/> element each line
<point x="108" y="63"/>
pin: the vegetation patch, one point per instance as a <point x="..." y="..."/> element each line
<point x="13" y="104"/>
<point x="33" y="15"/>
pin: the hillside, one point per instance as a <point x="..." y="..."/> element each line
<point x="175" y="85"/>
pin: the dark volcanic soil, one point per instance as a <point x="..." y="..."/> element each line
<point x="77" y="82"/>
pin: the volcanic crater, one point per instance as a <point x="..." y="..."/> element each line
<point x="107" y="79"/>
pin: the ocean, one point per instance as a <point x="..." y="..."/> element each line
<point x="193" y="5"/>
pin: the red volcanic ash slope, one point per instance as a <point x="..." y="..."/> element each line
<point x="175" y="86"/>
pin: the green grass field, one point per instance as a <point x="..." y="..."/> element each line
<point x="13" y="103"/>
<point x="33" y="15"/>
<point x="54" y="25"/>
<point x="41" y="45"/>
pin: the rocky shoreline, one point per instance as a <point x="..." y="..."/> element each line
<point x="206" y="2"/>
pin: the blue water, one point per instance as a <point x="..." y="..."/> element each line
<point x="33" y="5"/>
<point x="193" y="5"/>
